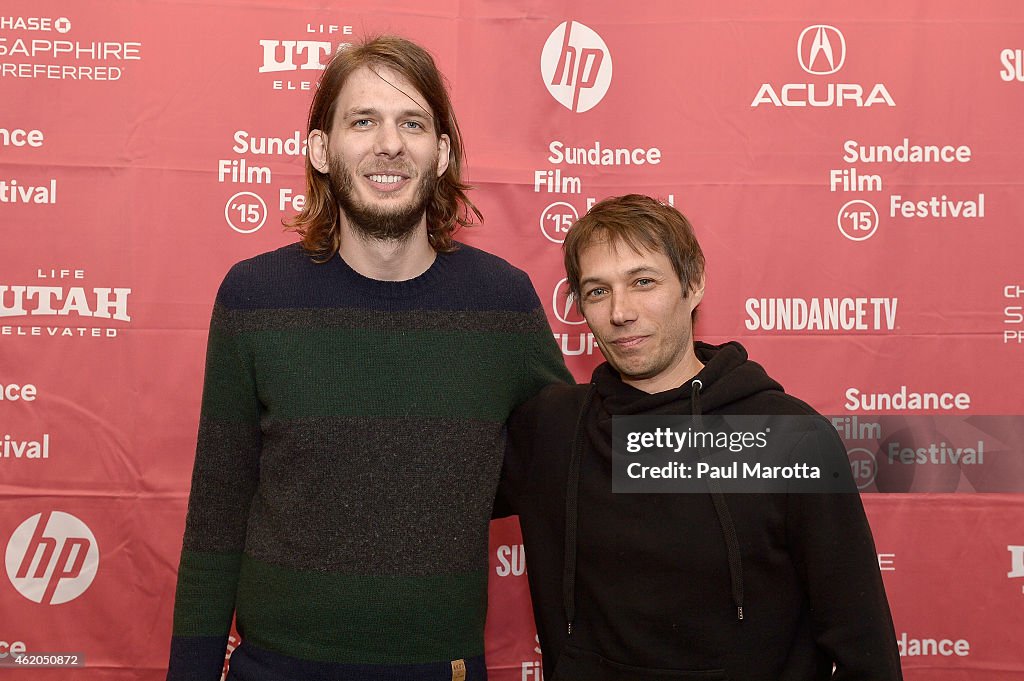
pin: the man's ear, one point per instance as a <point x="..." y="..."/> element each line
<point x="697" y="292"/>
<point x="316" y="147"/>
<point x="444" y="150"/>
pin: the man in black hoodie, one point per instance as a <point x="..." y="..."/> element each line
<point x="748" y="587"/>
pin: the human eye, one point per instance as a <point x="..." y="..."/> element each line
<point x="594" y="293"/>
<point x="645" y="282"/>
<point x="414" y="125"/>
<point x="361" y="123"/>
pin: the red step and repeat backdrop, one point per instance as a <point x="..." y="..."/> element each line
<point x="853" y="171"/>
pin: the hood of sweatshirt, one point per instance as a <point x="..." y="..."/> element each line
<point x="728" y="383"/>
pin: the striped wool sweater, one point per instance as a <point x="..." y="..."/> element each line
<point x="350" y="443"/>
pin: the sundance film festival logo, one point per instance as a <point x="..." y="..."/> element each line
<point x="821" y="51"/>
<point x="563" y="303"/>
<point x="576" y="66"/>
<point x="52" y="558"/>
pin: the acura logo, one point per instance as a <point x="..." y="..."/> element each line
<point x="821" y="49"/>
<point x="563" y="304"/>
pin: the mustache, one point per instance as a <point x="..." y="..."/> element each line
<point x="388" y="169"/>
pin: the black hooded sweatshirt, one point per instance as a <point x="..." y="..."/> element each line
<point x="748" y="587"/>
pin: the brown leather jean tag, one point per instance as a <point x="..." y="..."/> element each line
<point x="458" y="670"/>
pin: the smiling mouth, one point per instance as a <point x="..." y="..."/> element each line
<point x="386" y="179"/>
<point x="386" y="182"/>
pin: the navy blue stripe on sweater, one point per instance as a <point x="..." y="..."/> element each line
<point x="194" y="656"/>
<point x="251" y="663"/>
<point x="468" y="279"/>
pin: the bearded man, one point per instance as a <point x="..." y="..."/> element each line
<point x="357" y="384"/>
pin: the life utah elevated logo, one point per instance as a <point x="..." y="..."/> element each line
<point x="821" y="51"/>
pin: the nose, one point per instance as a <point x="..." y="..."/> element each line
<point x="623" y="309"/>
<point x="388" y="141"/>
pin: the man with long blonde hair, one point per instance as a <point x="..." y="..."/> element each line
<point x="357" y="384"/>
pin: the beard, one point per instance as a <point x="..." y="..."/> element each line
<point x="388" y="220"/>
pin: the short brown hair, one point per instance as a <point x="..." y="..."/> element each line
<point x="449" y="208"/>
<point x="642" y="223"/>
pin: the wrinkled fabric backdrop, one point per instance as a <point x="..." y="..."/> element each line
<point x="853" y="172"/>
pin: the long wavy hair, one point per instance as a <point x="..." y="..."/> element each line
<point x="449" y="208"/>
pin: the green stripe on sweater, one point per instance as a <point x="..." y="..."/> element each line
<point x="205" y="600"/>
<point x="458" y="375"/>
<point x="362" y="619"/>
<point x="229" y="393"/>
